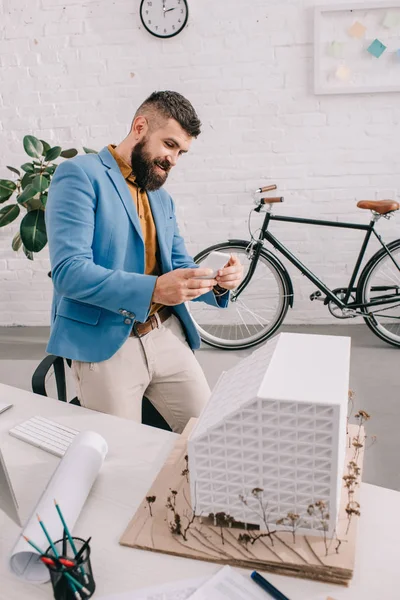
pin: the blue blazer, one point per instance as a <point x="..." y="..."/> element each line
<point x="97" y="259"/>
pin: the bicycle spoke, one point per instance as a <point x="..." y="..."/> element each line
<point x="254" y="314"/>
<point x="383" y="319"/>
<point x="241" y="318"/>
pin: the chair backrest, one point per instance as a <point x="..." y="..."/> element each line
<point x="42" y="372"/>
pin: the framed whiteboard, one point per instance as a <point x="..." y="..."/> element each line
<point x="357" y="48"/>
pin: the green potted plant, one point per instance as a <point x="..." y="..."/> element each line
<point x="30" y="190"/>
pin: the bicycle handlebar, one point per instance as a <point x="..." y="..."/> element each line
<point x="267" y="188"/>
<point x="271" y="200"/>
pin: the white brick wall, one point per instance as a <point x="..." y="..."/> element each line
<point x="73" y="73"/>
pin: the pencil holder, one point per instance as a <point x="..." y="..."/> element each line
<point x="71" y="583"/>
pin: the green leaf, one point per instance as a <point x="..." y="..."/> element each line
<point x="8" y="214"/>
<point x="33" y="231"/>
<point x="26" y="180"/>
<point x="89" y="151"/>
<point x="40" y="183"/>
<point x="17" y="242"/>
<point x="43" y="199"/>
<point x="7" y="188"/>
<point x="69" y="153"/>
<point x="50" y="169"/>
<point x="34" y="203"/>
<point x="28" y="193"/>
<point x="53" y="153"/>
<point x="33" y="146"/>
<point x="28" y="167"/>
<point x="46" y="147"/>
<point x="14" y="170"/>
<point x="28" y="254"/>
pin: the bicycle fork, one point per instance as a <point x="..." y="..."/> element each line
<point x="253" y="250"/>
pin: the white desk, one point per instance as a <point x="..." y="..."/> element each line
<point x="136" y="453"/>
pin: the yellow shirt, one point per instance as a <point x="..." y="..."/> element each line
<point x="142" y="204"/>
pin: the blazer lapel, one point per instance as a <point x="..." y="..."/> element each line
<point x="122" y="188"/>
<point x="160" y="222"/>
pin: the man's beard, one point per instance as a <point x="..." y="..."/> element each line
<point x="148" y="177"/>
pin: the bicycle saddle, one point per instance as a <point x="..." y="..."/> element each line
<point x="382" y="207"/>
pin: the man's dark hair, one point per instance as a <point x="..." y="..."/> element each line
<point x="170" y="105"/>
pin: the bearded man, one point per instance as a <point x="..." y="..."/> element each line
<point x="121" y="272"/>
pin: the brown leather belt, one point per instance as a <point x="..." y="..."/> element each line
<point x="152" y="322"/>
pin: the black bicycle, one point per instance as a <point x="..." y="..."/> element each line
<point x="258" y="306"/>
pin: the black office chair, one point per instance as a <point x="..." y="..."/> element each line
<point x="150" y="415"/>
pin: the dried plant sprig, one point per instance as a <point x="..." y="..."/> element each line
<point x="185" y="471"/>
<point x="262" y="513"/>
<point x="221" y="520"/>
<point x="320" y="510"/>
<point x="293" y="521"/>
<point x="176" y="526"/>
<point x="350" y="408"/>
<point x="352" y="509"/>
<point x="150" y="500"/>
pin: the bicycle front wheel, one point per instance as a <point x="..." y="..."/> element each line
<point x="380" y="281"/>
<point x="257" y="312"/>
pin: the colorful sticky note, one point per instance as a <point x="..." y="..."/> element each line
<point x="336" y="49"/>
<point x="376" y="48"/>
<point x="343" y="73"/>
<point x="391" y="19"/>
<point x="357" y="30"/>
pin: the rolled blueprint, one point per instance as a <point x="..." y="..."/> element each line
<point x="70" y="486"/>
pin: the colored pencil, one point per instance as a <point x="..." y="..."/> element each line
<point x="71" y="541"/>
<point x="71" y="584"/>
<point x="74" y="582"/>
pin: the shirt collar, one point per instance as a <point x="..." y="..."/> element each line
<point x="125" y="167"/>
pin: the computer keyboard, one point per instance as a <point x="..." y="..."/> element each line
<point x="45" y="434"/>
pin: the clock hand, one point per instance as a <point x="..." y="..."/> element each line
<point x="168" y="9"/>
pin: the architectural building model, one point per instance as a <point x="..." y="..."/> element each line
<point x="276" y="422"/>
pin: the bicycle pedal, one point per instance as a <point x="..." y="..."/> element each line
<point x="316" y="296"/>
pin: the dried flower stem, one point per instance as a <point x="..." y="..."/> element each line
<point x="185" y="472"/>
<point x="150" y="500"/>
<point x="258" y="494"/>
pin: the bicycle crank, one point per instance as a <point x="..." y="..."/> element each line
<point x="337" y="311"/>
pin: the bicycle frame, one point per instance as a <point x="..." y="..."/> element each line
<point x="369" y="229"/>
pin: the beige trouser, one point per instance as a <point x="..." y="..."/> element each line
<point x="164" y="370"/>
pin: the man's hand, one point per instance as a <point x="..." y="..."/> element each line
<point x="231" y="275"/>
<point x="181" y="285"/>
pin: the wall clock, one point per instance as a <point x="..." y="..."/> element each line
<point x="164" y="18"/>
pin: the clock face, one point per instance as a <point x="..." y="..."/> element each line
<point x="164" y="18"/>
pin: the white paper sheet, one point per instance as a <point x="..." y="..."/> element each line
<point x="4" y="406"/>
<point x="70" y="486"/>
<point x="8" y="501"/>
<point x="229" y="584"/>
<point x="178" y="590"/>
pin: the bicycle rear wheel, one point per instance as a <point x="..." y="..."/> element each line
<point x="380" y="279"/>
<point x="258" y="311"/>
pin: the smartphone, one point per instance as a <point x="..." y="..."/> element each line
<point x="214" y="261"/>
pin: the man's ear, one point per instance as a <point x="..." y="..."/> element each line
<point x="140" y="127"/>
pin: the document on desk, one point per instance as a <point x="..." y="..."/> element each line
<point x="178" y="590"/>
<point x="70" y="485"/>
<point x="229" y="584"/>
